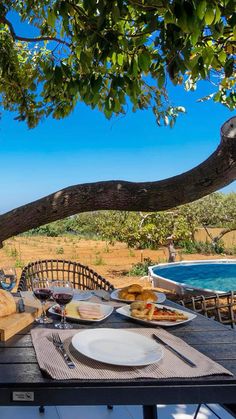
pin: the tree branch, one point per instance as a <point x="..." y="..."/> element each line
<point x="214" y="173"/>
<point x="34" y="39"/>
<point x="224" y="232"/>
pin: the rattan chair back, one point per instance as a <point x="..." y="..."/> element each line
<point x="82" y="277"/>
<point x="220" y="307"/>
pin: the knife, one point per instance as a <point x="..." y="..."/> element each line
<point x="177" y="353"/>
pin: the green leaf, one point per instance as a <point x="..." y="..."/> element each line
<point x="161" y="79"/>
<point x="217" y="14"/>
<point x="144" y="61"/>
<point x="201" y="8"/>
<point x="135" y="66"/>
<point x="96" y="84"/>
<point x="209" y="16"/>
<point x="51" y="19"/>
<point x="115" y="13"/>
<point x="222" y="56"/>
<point x="108" y="113"/>
<point x="229" y="67"/>
<point x="120" y="59"/>
<point x="194" y="37"/>
<point x="113" y="58"/>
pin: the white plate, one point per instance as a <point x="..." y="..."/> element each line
<point x="82" y="295"/>
<point x="117" y="347"/>
<point x="115" y="296"/>
<point x="125" y="311"/>
<point x="106" y="310"/>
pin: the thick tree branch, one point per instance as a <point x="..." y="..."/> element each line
<point x="208" y="232"/>
<point x="223" y="233"/>
<point x="34" y="39"/>
<point x="214" y="173"/>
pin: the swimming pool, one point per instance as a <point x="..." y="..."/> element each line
<point x="208" y="276"/>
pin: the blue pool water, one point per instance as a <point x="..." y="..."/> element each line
<point x="214" y="276"/>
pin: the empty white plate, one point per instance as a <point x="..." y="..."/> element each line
<point x="117" y="347"/>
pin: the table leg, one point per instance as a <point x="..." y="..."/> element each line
<point x="150" y="412"/>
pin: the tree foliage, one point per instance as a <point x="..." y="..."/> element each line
<point x="151" y="230"/>
<point x="109" y="53"/>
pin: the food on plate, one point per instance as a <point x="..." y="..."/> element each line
<point x="151" y="312"/>
<point x="7" y="303"/>
<point x="135" y="288"/>
<point x="146" y="295"/>
<point x="82" y="311"/>
<point x="70" y="311"/>
<point x="136" y="292"/>
<point x="90" y="311"/>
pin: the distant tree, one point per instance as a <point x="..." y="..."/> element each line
<point x="217" y="210"/>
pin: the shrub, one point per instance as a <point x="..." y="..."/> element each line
<point x="141" y="268"/>
<point x="202" y="247"/>
<point x="59" y="250"/>
<point x="99" y="260"/>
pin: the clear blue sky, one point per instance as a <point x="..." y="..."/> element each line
<point x="85" y="147"/>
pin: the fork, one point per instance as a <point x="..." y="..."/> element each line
<point x="56" y="340"/>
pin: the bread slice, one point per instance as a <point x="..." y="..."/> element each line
<point x="7" y="303"/>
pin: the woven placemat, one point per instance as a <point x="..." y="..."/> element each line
<point x="170" y="366"/>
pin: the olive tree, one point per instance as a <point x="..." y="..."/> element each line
<point x="106" y="54"/>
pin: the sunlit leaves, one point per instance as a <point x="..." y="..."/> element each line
<point x="114" y="53"/>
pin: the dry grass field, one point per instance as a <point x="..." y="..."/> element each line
<point x="113" y="262"/>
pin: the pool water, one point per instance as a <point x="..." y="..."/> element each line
<point x="214" y="276"/>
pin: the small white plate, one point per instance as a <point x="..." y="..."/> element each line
<point x="82" y="295"/>
<point x="125" y="311"/>
<point x="117" y="347"/>
<point x="115" y="296"/>
<point x="106" y="310"/>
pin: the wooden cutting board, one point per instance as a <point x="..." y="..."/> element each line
<point x="14" y="323"/>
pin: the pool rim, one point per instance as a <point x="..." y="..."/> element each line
<point x="182" y="287"/>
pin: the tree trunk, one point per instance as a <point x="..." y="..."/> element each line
<point x="214" y="173"/>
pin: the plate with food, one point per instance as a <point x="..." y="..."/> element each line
<point x="117" y="347"/>
<point x="136" y="292"/>
<point x="155" y="314"/>
<point x="82" y="311"/>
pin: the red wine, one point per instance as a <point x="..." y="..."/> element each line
<point x="62" y="298"/>
<point x="43" y="294"/>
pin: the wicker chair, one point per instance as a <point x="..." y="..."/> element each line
<point x="82" y="277"/>
<point x="220" y="307"/>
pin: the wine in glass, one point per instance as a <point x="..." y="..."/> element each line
<point x="7" y="278"/>
<point x="42" y="291"/>
<point x="62" y="293"/>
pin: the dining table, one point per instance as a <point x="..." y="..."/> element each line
<point x="23" y="383"/>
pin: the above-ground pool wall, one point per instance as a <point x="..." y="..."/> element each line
<point x="182" y="289"/>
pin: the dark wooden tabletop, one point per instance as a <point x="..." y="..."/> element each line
<point x="20" y="374"/>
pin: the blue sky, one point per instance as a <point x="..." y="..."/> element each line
<point x="85" y="147"/>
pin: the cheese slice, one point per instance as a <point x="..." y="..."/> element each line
<point x="72" y="310"/>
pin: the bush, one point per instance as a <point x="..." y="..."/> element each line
<point x="141" y="268"/>
<point x="59" y="250"/>
<point x="202" y="247"/>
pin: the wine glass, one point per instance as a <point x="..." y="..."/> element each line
<point x="7" y="278"/>
<point x="62" y="293"/>
<point x="42" y="291"/>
